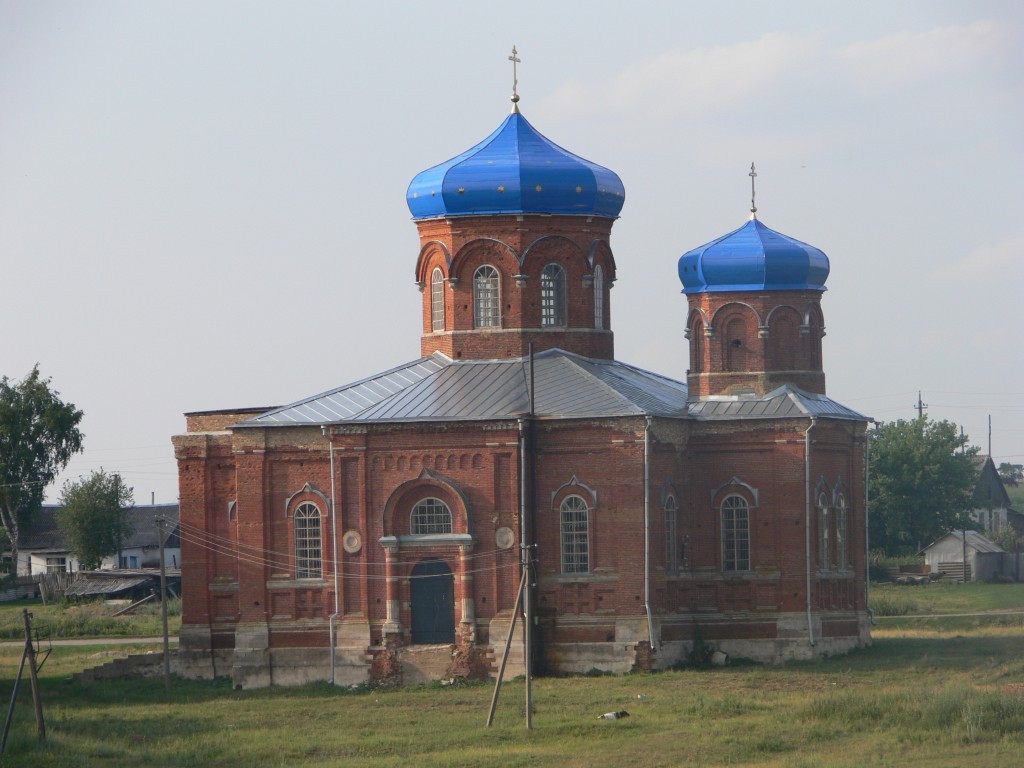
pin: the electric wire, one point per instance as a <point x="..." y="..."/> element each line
<point x="263" y="557"/>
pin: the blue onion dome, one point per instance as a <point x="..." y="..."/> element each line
<point x="753" y="258"/>
<point x="515" y="170"/>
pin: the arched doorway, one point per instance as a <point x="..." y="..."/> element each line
<point x="433" y="603"/>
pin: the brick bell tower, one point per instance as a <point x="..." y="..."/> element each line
<point x="514" y="247"/>
<point x="755" y="320"/>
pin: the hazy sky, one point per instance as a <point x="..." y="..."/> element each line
<point x="202" y="204"/>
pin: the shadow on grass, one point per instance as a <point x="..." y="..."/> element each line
<point x="902" y="653"/>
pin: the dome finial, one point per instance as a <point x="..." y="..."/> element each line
<point x="515" y="81"/>
<point x="753" y="207"/>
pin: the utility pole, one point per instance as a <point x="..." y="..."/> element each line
<point x="508" y="646"/>
<point x="529" y="544"/>
<point x="37" y="697"/>
<point x="163" y="605"/>
<point x="920" y="405"/>
<point x="964" y="532"/>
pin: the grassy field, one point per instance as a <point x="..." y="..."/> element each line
<point x="63" y="621"/>
<point x="920" y="696"/>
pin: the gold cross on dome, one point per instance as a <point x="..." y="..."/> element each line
<point x="515" y="80"/>
<point x="753" y="207"/>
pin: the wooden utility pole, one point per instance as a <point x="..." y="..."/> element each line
<point x="163" y="605"/>
<point x="508" y="646"/>
<point x="14" y="700"/>
<point x="37" y="697"/>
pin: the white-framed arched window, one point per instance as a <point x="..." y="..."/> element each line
<point x="823" y="532"/>
<point x="575" y="523"/>
<point x="308" y="542"/>
<point x="486" y="298"/>
<point x="552" y="295"/>
<point x="842" y="556"/>
<point x="430" y="516"/>
<point x="437" y="300"/>
<point x="735" y="533"/>
<point x="671" y="534"/>
<point x="598" y="297"/>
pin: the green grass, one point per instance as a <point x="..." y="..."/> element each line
<point x="65" y="621"/>
<point x="947" y="597"/>
<point x="906" y="701"/>
<point x="936" y="692"/>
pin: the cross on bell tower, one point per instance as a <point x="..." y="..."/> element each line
<point x="515" y="80"/>
<point x="753" y="176"/>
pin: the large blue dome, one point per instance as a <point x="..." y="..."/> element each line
<point x="753" y="258"/>
<point x="515" y="170"/>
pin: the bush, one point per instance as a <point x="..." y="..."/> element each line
<point x="892" y="605"/>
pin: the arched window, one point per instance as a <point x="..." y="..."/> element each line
<point x="598" y="297"/>
<point x="307" y="542"/>
<point x="575" y="535"/>
<point x="784" y="340"/>
<point x="431" y="516"/>
<point x="697" y="345"/>
<point x="734" y="341"/>
<point x="823" y="532"/>
<point x="486" y="298"/>
<point x="816" y="329"/>
<point x="735" y="534"/>
<point x="437" y="301"/>
<point x="671" y="559"/>
<point x="842" y="558"/>
<point x="552" y="295"/>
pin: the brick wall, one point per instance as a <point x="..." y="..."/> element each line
<point x="518" y="248"/>
<point x="240" y="488"/>
<point x="754" y="341"/>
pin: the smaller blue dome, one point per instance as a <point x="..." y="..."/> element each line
<point x="753" y="258"/>
<point x="515" y="170"/>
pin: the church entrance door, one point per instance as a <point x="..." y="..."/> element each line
<point x="433" y="603"/>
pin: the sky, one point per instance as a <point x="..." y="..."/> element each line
<point x="202" y="204"/>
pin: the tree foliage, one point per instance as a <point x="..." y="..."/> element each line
<point x="38" y="436"/>
<point x="922" y="476"/>
<point x="1011" y="474"/>
<point x="92" y="516"/>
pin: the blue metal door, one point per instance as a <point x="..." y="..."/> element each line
<point x="433" y="603"/>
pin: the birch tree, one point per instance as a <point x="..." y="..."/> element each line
<point x="38" y="436"/>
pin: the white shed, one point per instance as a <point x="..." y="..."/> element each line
<point x="946" y="554"/>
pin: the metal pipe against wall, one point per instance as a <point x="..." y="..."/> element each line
<point x="807" y="524"/>
<point x="867" y="509"/>
<point x="647" y="531"/>
<point x="334" y="537"/>
<point x="524" y="544"/>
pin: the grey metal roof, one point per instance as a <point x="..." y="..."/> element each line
<point x="786" y="402"/>
<point x="975" y="541"/>
<point x="440" y="389"/>
<point x="44" y="533"/>
<point x="110" y="585"/>
<point x="346" y="402"/>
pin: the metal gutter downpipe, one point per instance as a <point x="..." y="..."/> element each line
<point x="524" y="545"/>
<point x="867" y="508"/>
<point x="647" y="531"/>
<point x="807" y="523"/>
<point x="334" y="537"/>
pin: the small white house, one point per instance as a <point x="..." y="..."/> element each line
<point x="43" y="549"/>
<point x="946" y="555"/>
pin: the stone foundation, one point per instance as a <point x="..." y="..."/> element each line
<point x="771" y="639"/>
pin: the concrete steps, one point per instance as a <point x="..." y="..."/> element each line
<point x="133" y="665"/>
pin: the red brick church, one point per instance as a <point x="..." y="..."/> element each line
<point x="377" y="530"/>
